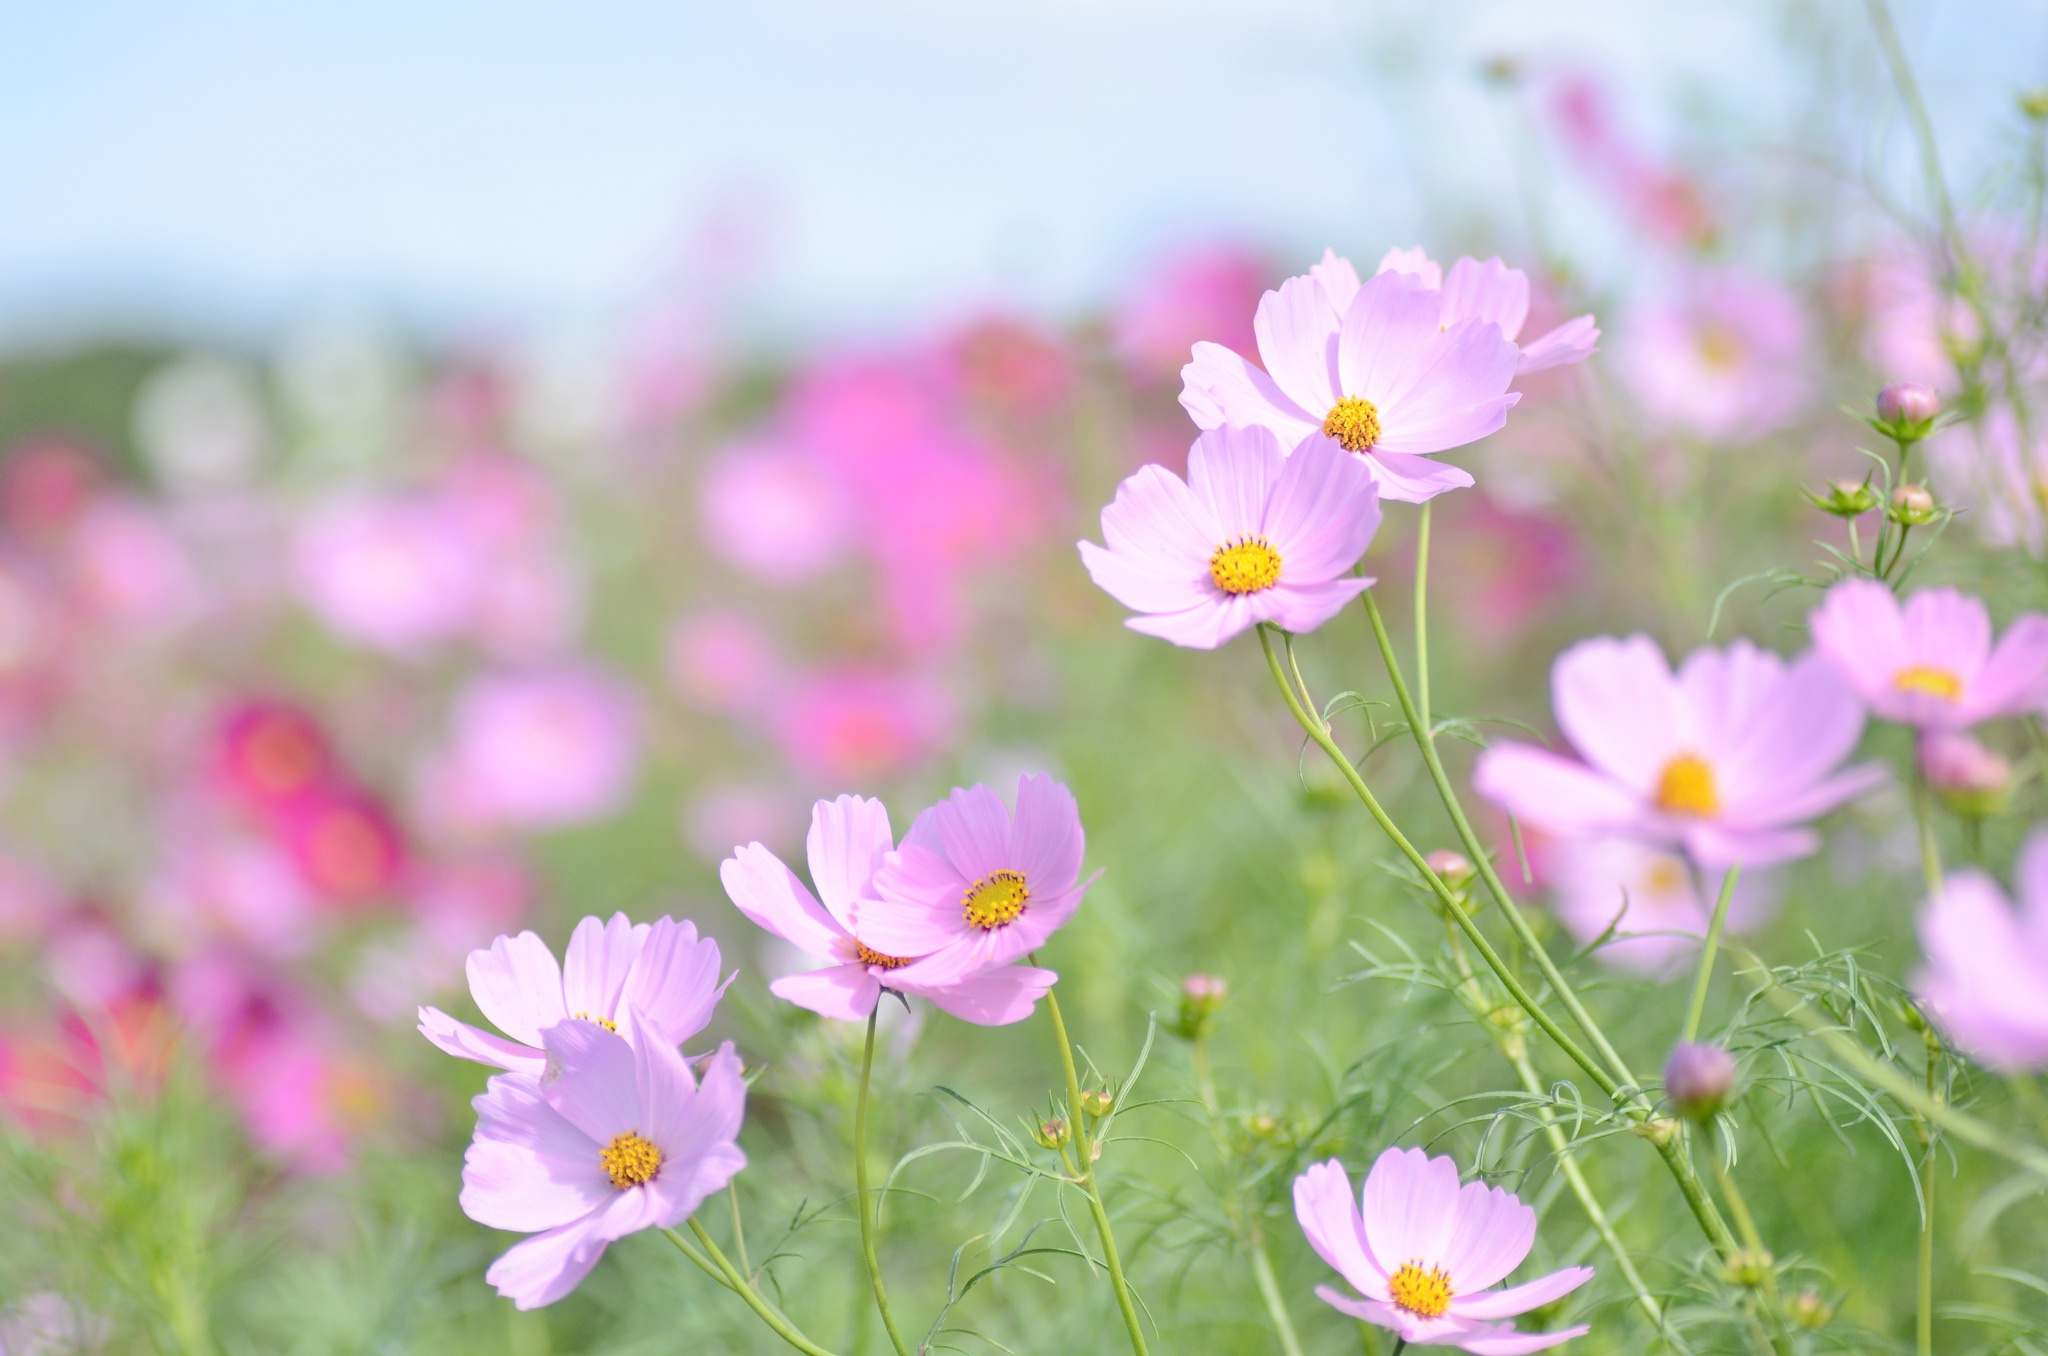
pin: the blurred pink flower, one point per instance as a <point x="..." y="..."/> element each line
<point x="848" y="841"/>
<point x="726" y="813"/>
<point x="617" y="1139"/>
<point x="1663" y="203"/>
<point x="854" y="725"/>
<point x="1375" y="370"/>
<point x="1646" y="896"/>
<point x="542" y="748"/>
<point x="46" y="485"/>
<point x="216" y="885"/>
<point x="347" y="846"/>
<point x="1728" y="757"/>
<point x="781" y="515"/>
<point x="129" y="569"/>
<point x="91" y="964"/>
<point x="1512" y="567"/>
<point x="399" y="574"/>
<point x="1254" y="535"/>
<point x="1201" y="294"/>
<point x="1725" y="359"/>
<point x="268" y="753"/>
<point x="722" y="661"/>
<point x="1455" y="1243"/>
<point x="1931" y="663"/>
<point x="1008" y="365"/>
<point x="1997" y="475"/>
<point x="456" y="908"/>
<point x="975" y="886"/>
<point x="1986" y="979"/>
<point x="1475" y="291"/>
<point x="52" y="1077"/>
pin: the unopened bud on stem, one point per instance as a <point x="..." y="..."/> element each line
<point x="1970" y="780"/>
<point x="1912" y="505"/>
<point x="1699" y="1080"/>
<point x="1200" y="998"/>
<point x="1845" y="498"/>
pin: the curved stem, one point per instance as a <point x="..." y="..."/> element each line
<point x="781" y="1326"/>
<point x="703" y="1262"/>
<point x="860" y="1184"/>
<point x="1706" y="974"/>
<point x="1084" y="1153"/>
<point x="1422" y="619"/>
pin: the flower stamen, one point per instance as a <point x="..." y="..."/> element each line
<point x="868" y="956"/>
<point x="1686" y="787"/>
<point x="1935" y="682"/>
<point x="1424" y="1292"/>
<point x="605" y="1022"/>
<point x="996" y="899"/>
<point x="1354" y="422"/>
<point x="1245" y="565"/>
<point x="629" y="1160"/>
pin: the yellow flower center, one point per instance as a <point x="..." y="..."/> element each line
<point x="996" y="899"/>
<point x="1245" y="565"/>
<point x="605" y="1022"/>
<point x="869" y="956"/>
<point x="1665" y="876"/>
<point x="1353" y="421"/>
<point x="630" y="1160"/>
<point x="1719" y="348"/>
<point x="1686" y="787"/>
<point x="1426" y="1293"/>
<point x="1933" y="681"/>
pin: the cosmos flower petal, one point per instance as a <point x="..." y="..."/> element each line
<point x="1412" y="479"/>
<point x="1520" y="1299"/>
<point x="1327" y="1211"/>
<point x="1552" y="791"/>
<point x="592" y="1079"/>
<point x="995" y="997"/>
<point x="848" y="839"/>
<point x="1147" y="586"/>
<point x="1203" y="627"/>
<point x="1321" y="513"/>
<point x="769" y="893"/>
<point x="1410" y="1205"/>
<point x="1367" y="1310"/>
<point x="1047" y="841"/>
<point x="1809" y="801"/>
<point x="467" y="1042"/>
<point x="1156" y="519"/>
<point x="1301" y="608"/>
<point x="1453" y="382"/>
<point x="663" y="1086"/>
<point x="1338" y="279"/>
<point x="1505" y="1341"/>
<point x="518" y="985"/>
<point x="975" y="831"/>
<point x="528" y="1168"/>
<point x="1574" y="341"/>
<point x="1393" y="317"/>
<point x="1219" y="388"/>
<point x="1231" y="472"/>
<point x="594" y="969"/>
<point x="547" y="1266"/>
<point x="921" y="906"/>
<point x="674" y="980"/>
<point x="1619" y="705"/>
<point x="843" y="993"/>
<point x="1719" y="846"/>
<point x="2015" y="677"/>
<point x="1413" y="260"/>
<point x="1487" y="290"/>
<point x="1493" y="1234"/>
<point x="1298" y="343"/>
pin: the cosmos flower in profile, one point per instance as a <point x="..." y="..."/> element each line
<point x="1382" y="376"/>
<point x="1475" y="290"/>
<point x="1727" y="758"/>
<point x="1425" y="1252"/>
<point x="1931" y="663"/>
<point x="616" y="1137"/>
<point x="848" y="841"/>
<point x="1986" y="980"/>
<point x="1252" y="535"/>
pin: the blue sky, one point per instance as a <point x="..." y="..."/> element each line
<point x="489" y="162"/>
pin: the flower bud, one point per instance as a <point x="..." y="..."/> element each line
<point x="2034" y="103"/>
<point x="1699" y="1080"/>
<point x="1845" y="498"/>
<point x="1912" y="505"/>
<point x="1810" y="1311"/>
<point x="1200" y="997"/>
<point x="1970" y="779"/>
<point x="1096" y="1103"/>
<point x="1452" y="868"/>
<point x="1907" y="402"/>
<point x="1262" y="1126"/>
<point x="1051" y="1133"/>
<point x="1659" y="1130"/>
<point x="1750" y="1268"/>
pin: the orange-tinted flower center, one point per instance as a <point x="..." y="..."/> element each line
<point x="1424" y="1292"/>
<point x="1245" y="565"/>
<point x="869" y="956"/>
<point x="630" y="1161"/>
<point x="1686" y="787"/>
<point x="1354" y="422"/>
<point x="996" y="899"/>
<point x="1935" y="682"/>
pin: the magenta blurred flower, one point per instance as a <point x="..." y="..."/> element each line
<point x="848" y="841"/>
<point x="1201" y="294"/>
<point x="974" y="887"/>
<point x="1454" y="1244"/>
<point x="1986" y="980"/>
<point x="305" y="1100"/>
<point x="396" y="574"/>
<point x="1474" y="291"/>
<point x="1727" y="758"/>
<point x="1931" y="663"/>
<point x="268" y="753"/>
<point x="1645" y="895"/>
<point x="541" y="748"/>
<point x="1725" y="359"/>
<point x="346" y="844"/>
<point x="46" y="484"/>
<point x="723" y="662"/>
<point x="781" y="515"/>
<point x="1376" y="371"/>
<point x="1253" y="535"/>
<point x="129" y="568"/>
<point x="618" y="1138"/>
<point x="858" y="724"/>
<point x="661" y="969"/>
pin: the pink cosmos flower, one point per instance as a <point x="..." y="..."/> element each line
<point x="1376" y="370"/>
<point x="618" y="1137"/>
<point x="1931" y="663"/>
<point x="974" y="887"/>
<point x="1986" y="980"/>
<point x="395" y="574"/>
<point x="1727" y="757"/>
<point x="848" y="841"/>
<point x="1724" y="359"/>
<point x="540" y="748"/>
<point x="1426" y="1251"/>
<point x="345" y="843"/>
<point x="662" y="969"/>
<point x="1253" y="535"/>
<point x="778" y="514"/>
<point x="860" y="724"/>
<point x="1998" y="475"/>
<point x="1207" y="292"/>
<point x="269" y="753"/>
<point x="722" y="661"/>
<point x="1475" y="291"/>
<point x="1646" y="896"/>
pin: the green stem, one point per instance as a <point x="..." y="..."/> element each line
<point x="1924" y="1318"/>
<point x="1084" y="1153"/>
<point x="739" y="1231"/>
<point x="1254" y="1237"/>
<point x="1706" y="974"/>
<point x="1923" y="125"/>
<point x="860" y="1181"/>
<point x="1670" y="1150"/>
<point x="703" y="1262"/>
<point x="737" y="1283"/>
<point x="1422" y="619"/>
<point x="1269" y="1290"/>
<point x="1753" y="1240"/>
